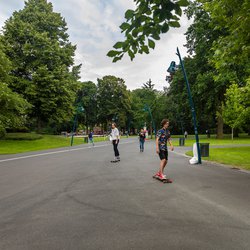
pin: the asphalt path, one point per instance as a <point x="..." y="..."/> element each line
<point x="75" y="198"/>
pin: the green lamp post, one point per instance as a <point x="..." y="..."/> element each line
<point x="79" y="109"/>
<point x="191" y="105"/>
<point x="147" y="108"/>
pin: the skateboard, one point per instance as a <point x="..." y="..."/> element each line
<point x="163" y="180"/>
<point x="115" y="161"/>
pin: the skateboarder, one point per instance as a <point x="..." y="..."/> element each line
<point x="163" y="137"/>
<point x="142" y="137"/>
<point x="115" y="141"/>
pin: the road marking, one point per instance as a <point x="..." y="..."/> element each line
<point x="58" y="152"/>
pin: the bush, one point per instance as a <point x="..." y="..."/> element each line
<point x="22" y="136"/>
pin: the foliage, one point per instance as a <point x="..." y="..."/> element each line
<point x="113" y="100"/>
<point x="145" y="24"/>
<point x="37" y="44"/>
<point x="236" y="110"/>
<point x="13" y="107"/>
<point x="231" y="51"/>
<point x="88" y="93"/>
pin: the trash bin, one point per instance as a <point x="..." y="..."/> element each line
<point x="181" y="141"/>
<point x="204" y="147"/>
<point x="86" y="139"/>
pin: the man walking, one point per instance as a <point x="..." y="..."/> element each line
<point x="91" y="138"/>
<point x="115" y="136"/>
<point x="163" y="137"/>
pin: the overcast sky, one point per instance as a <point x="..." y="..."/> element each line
<point x="94" y="27"/>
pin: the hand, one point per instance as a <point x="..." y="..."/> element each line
<point x="172" y="148"/>
<point x="157" y="151"/>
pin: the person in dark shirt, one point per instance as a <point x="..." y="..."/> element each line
<point x="91" y="138"/>
<point x="163" y="137"/>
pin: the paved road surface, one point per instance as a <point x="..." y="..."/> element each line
<point x="79" y="200"/>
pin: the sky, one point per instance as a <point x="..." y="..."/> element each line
<point x="94" y="27"/>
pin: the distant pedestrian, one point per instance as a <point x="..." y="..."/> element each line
<point x="114" y="137"/>
<point x="208" y="133"/>
<point x="185" y="134"/>
<point x="163" y="137"/>
<point x="142" y="137"/>
<point x="90" y="136"/>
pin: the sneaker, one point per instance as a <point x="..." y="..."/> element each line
<point x="161" y="176"/>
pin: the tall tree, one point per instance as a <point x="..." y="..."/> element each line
<point x="236" y="110"/>
<point x="231" y="51"/>
<point x="148" y="85"/>
<point x="88" y="99"/>
<point x="13" y="112"/>
<point x="114" y="102"/>
<point x="36" y="41"/>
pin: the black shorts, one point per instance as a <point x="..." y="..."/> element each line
<point x="163" y="154"/>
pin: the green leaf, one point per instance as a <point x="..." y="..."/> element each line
<point x="117" y="58"/>
<point x="183" y="3"/>
<point x="174" y="24"/>
<point x="145" y="49"/>
<point x="124" y="26"/>
<point x="113" y="53"/>
<point x="164" y="28"/>
<point x="118" y="45"/>
<point x="151" y="44"/>
<point x="131" y="55"/>
<point x="129" y="14"/>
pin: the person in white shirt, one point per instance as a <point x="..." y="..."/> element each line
<point x="115" y="136"/>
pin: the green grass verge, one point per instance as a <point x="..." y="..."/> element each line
<point x="239" y="157"/>
<point x="213" y="141"/>
<point x="23" y="136"/>
<point x="21" y="145"/>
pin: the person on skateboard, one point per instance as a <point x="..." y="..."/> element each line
<point x="163" y="137"/>
<point x="115" y="136"/>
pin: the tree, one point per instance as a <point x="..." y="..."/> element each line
<point x="148" y="85"/>
<point x="113" y="100"/>
<point x="14" y="108"/>
<point x="145" y="24"/>
<point x="88" y="93"/>
<point x="236" y="110"/>
<point x="36" y="41"/>
<point x="231" y="51"/>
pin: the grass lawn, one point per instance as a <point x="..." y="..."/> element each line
<point x="239" y="157"/>
<point x="243" y="139"/>
<point x="12" y="146"/>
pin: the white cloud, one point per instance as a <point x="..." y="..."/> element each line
<point x="94" y="27"/>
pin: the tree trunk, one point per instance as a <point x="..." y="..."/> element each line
<point x="232" y="133"/>
<point x="219" y="127"/>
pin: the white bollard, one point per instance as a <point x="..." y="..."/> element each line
<point x="194" y="160"/>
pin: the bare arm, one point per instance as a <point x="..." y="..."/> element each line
<point x="157" y="145"/>
<point x="171" y="145"/>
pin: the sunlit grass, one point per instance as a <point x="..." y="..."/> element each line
<point x="237" y="156"/>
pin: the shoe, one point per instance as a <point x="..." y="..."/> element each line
<point x="118" y="158"/>
<point x="161" y="176"/>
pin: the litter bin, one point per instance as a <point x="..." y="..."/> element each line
<point x="181" y="141"/>
<point x="86" y="139"/>
<point x="204" y="147"/>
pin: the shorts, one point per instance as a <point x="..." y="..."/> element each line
<point x="163" y="154"/>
